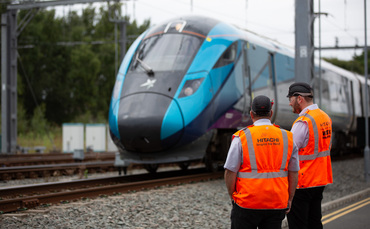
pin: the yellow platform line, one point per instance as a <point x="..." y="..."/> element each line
<point x="351" y="208"/>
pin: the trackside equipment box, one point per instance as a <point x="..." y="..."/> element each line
<point x="73" y="137"/>
<point x="96" y="137"/>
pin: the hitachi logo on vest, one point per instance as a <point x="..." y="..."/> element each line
<point x="261" y="140"/>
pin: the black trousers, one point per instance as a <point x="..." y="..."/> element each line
<point x="251" y="219"/>
<point x="305" y="212"/>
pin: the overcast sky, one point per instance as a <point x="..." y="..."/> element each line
<point x="271" y="18"/>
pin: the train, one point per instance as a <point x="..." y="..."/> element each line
<point x="186" y="85"/>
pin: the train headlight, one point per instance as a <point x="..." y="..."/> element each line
<point x="190" y="87"/>
<point x="188" y="91"/>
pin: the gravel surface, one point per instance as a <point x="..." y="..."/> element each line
<point x="200" y="205"/>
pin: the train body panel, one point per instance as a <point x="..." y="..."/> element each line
<point x="185" y="85"/>
<point x="114" y="105"/>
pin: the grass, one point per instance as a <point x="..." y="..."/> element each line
<point x="52" y="141"/>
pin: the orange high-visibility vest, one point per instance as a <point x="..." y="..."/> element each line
<point x="262" y="180"/>
<point x="314" y="159"/>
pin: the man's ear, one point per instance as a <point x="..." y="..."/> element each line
<point x="299" y="98"/>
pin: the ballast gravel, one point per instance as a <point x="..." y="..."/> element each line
<point x="198" y="205"/>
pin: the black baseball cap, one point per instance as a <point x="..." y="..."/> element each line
<point x="300" y="88"/>
<point x="261" y="104"/>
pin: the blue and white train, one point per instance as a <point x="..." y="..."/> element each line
<point x="186" y="85"/>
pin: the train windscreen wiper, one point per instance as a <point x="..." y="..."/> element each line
<point x="146" y="67"/>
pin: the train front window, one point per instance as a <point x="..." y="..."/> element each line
<point x="166" y="52"/>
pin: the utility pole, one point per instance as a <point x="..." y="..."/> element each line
<point x="9" y="81"/>
<point x="366" y="150"/>
<point x="304" y="46"/>
<point x="115" y="17"/>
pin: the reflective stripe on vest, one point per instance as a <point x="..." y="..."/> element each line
<point x="314" y="158"/>
<point x="252" y="156"/>
<point x="316" y="153"/>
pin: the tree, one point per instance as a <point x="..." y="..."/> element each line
<point x="62" y="70"/>
<point x="354" y="65"/>
<point x="360" y="60"/>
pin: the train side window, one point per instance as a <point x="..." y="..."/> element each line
<point x="227" y="57"/>
<point x="342" y="94"/>
<point x="325" y="89"/>
<point x="334" y="91"/>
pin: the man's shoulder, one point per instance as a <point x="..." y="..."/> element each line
<point x="319" y="112"/>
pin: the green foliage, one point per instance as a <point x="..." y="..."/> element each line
<point x="22" y="121"/>
<point x="62" y="69"/>
<point x="38" y="123"/>
<point x="355" y="65"/>
<point x="360" y="60"/>
<point x="87" y="117"/>
<point x="52" y="140"/>
<point x="85" y="67"/>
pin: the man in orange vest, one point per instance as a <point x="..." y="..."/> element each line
<point x="312" y="132"/>
<point x="261" y="171"/>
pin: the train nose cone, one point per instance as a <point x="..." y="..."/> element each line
<point x="140" y="122"/>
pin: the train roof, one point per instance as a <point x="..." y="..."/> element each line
<point x="201" y="26"/>
<point x="192" y="24"/>
<point x="267" y="42"/>
<point x="341" y="71"/>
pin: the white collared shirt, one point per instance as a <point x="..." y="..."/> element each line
<point x="261" y="122"/>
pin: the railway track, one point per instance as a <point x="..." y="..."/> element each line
<point x="93" y="163"/>
<point x="23" y="166"/>
<point x="31" y="196"/>
<point x="54" y="170"/>
<point x="10" y="160"/>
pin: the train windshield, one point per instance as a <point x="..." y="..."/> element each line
<point x="168" y="52"/>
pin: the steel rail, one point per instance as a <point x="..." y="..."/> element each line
<point x="36" y="171"/>
<point x="26" y="202"/>
<point x="56" y="158"/>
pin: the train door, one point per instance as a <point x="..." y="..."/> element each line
<point x="325" y="97"/>
<point x="339" y="111"/>
<point x="261" y="66"/>
<point x="247" y="91"/>
<point x="241" y="87"/>
<point x="363" y="98"/>
<point x="274" y="84"/>
<point x="350" y="101"/>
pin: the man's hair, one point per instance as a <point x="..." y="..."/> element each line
<point x="260" y="114"/>
<point x="308" y="99"/>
